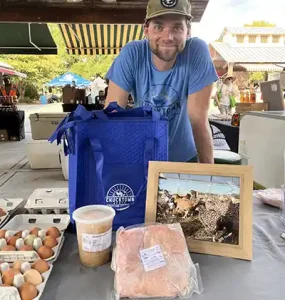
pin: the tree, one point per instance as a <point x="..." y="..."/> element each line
<point x="260" y="24"/>
<point x="256" y="76"/>
<point x="42" y="68"/>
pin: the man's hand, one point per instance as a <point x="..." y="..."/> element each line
<point x="198" y="106"/>
<point x="115" y="93"/>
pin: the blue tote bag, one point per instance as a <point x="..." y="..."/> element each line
<point x="109" y="151"/>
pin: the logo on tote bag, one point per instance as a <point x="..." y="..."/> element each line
<point x="120" y="197"/>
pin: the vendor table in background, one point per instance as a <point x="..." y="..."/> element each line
<point x="14" y="123"/>
<point x="230" y="132"/>
<point x="223" y="278"/>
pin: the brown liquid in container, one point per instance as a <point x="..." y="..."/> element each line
<point x="94" y="238"/>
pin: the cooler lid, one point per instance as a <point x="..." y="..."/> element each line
<point x="51" y="115"/>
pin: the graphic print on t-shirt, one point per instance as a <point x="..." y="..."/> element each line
<point x="164" y="99"/>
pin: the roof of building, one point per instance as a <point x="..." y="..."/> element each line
<point x="244" y="54"/>
<point x="255" y="30"/>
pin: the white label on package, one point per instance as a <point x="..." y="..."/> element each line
<point x="152" y="258"/>
<point x="96" y="242"/>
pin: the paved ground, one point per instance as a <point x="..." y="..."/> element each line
<point x="17" y="179"/>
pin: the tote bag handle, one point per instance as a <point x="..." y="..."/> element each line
<point x="99" y="161"/>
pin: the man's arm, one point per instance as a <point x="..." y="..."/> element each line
<point x="121" y="75"/>
<point x="198" y="106"/>
<point x="116" y="93"/>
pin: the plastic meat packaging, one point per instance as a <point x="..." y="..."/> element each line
<point x="271" y="196"/>
<point x="152" y="261"/>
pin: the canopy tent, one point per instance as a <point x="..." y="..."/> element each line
<point x="69" y="79"/>
<point x="26" y="38"/>
<point x="247" y="58"/>
<point x="9" y="70"/>
<point x="92" y="39"/>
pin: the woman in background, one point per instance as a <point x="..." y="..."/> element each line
<point x="225" y="91"/>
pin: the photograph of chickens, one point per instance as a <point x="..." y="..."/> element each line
<point x="207" y="207"/>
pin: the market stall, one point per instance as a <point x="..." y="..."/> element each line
<point x="11" y="119"/>
<point x="75" y="90"/>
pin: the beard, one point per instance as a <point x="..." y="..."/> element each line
<point x="164" y="53"/>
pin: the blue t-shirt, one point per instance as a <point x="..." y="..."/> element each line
<point x="167" y="91"/>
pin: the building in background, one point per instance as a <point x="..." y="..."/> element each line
<point x="249" y="49"/>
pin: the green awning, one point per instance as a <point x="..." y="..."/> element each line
<point x="25" y="38"/>
<point x="92" y="39"/>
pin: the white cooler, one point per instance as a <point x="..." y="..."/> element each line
<point x="63" y="161"/>
<point x="43" y="125"/>
<point x="43" y="155"/>
<point x="262" y="143"/>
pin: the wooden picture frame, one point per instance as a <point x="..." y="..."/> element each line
<point x="235" y="244"/>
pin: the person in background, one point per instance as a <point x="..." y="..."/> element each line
<point x="9" y="89"/>
<point x="100" y="99"/>
<point x="224" y="92"/>
<point x="173" y="74"/>
<point x="107" y="87"/>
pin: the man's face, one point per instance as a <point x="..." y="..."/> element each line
<point x="167" y="36"/>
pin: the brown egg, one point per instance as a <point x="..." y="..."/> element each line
<point x="8" y="248"/>
<point x="12" y="241"/>
<point x="28" y="291"/>
<point x="26" y="248"/>
<point x="45" y="252"/>
<point x="53" y="231"/>
<point x="2" y="233"/>
<point x="49" y="241"/>
<point x="5" y="285"/>
<point x="33" y="276"/>
<point x="19" y="234"/>
<point x="35" y="231"/>
<point x="17" y="264"/>
<point x="8" y="276"/>
<point x="2" y="212"/>
<point x="40" y="265"/>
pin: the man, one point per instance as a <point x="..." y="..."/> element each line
<point x="173" y="74"/>
<point x="9" y="90"/>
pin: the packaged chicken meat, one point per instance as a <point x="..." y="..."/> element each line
<point x="152" y="261"/>
<point x="272" y="196"/>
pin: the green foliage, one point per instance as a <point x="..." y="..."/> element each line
<point x="256" y="76"/>
<point x="260" y="23"/>
<point x="31" y="91"/>
<point x="42" y="68"/>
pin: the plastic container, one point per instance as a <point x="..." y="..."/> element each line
<point x="48" y="201"/>
<point x="8" y="207"/>
<point x="13" y="294"/>
<point x="94" y="234"/>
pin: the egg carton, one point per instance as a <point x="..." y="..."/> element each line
<point x="9" y="205"/>
<point x="11" y="293"/>
<point x="27" y="222"/>
<point x="47" y="201"/>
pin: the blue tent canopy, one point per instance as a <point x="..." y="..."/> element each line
<point x="69" y="78"/>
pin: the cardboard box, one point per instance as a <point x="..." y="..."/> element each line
<point x="242" y="107"/>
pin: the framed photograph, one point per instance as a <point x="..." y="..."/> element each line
<point x="213" y="204"/>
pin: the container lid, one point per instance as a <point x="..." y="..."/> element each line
<point x="93" y="214"/>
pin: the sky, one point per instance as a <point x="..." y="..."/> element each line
<point x="206" y="184"/>
<point x="231" y="13"/>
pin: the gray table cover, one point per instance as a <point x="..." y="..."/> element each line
<point x="223" y="278"/>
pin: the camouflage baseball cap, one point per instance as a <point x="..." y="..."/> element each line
<point x="156" y="8"/>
